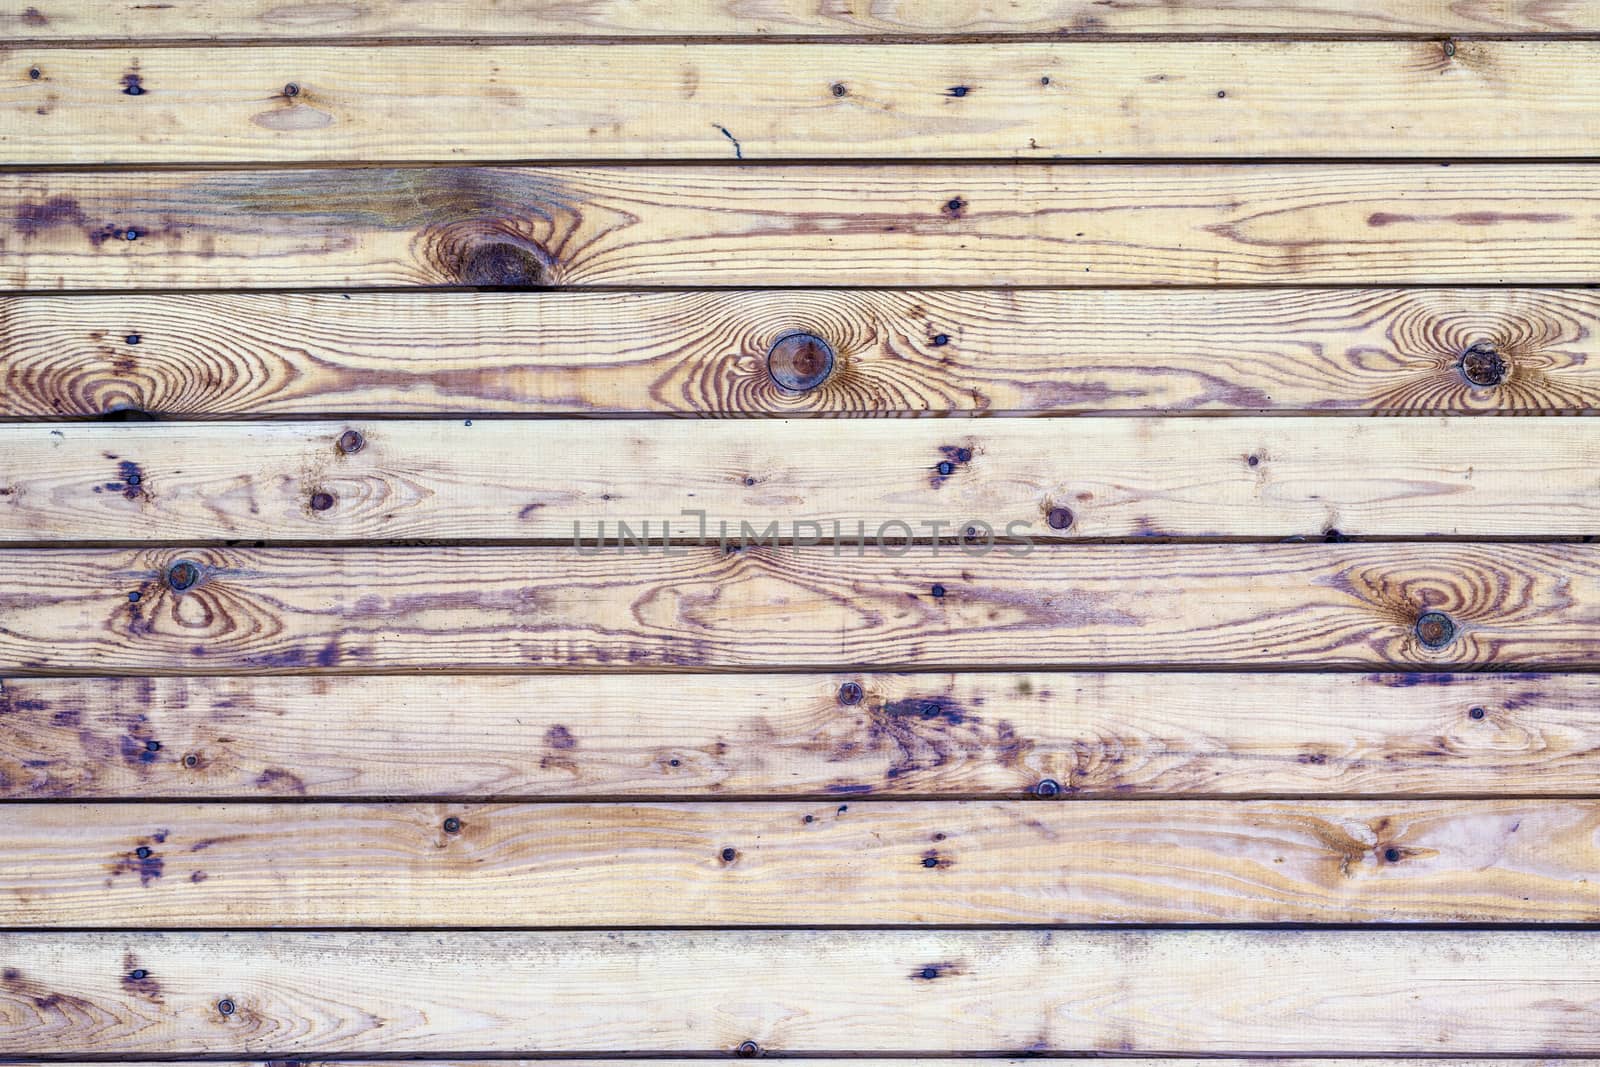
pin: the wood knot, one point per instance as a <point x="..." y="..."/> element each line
<point x="1483" y="365"/>
<point x="182" y="575"/>
<point x="799" y="362"/>
<point x="1435" y="629"/>
<point x="503" y="264"/>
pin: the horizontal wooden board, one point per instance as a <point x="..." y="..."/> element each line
<point x="866" y="1061"/>
<point x="1404" y="992"/>
<point x="892" y="225"/>
<point x="144" y="866"/>
<point x="970" y="478"/>
<point x="52" y="20"/>
<point x="755" y="736"/>
<point x="444" y="103"/>
<point x="223" y="355"/>
<point x="1346" y="606"/>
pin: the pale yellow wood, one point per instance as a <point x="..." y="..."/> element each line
<point x="51" y="20"/>
<point x="222" y="355"/>
<point x="73" y="611"/>
<point x="464" y="103"/>
<point x="864" y="1061"/>
<point x="755" y="736"/>
<point x="972" y="479"/>
<point x="1202" y="991"/>
<point x="802" y="225"/>
<point x="831" y="862"/>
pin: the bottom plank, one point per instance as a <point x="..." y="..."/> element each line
<point x="1119" y="991"/>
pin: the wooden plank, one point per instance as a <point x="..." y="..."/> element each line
<point x="506" y="103"/>
<point x="785" y="735"/>
<point x="50" y="20"/>
<point x="146" y="866"/>
<point x="1345" y="606"/>
<point x="222" y="355"/>
<point x="854" y="226"/>
<point x="863" y="1061"/>
<point x="1174" y="991"/>
<point x="558" y="481"/>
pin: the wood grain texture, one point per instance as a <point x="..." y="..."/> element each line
<point x="504" y="103"/>
<point x="1427" y="991"/>
<point x="148" y="866"/>
<point x="556" y="481"/>
<point x="853" y="226"/>
<point x="54" y="20"/>
<point x="1349" y="606"/>
<point x="933" y="352"/>
<point x="784" y="735"/>
<point x="865" y="1061"/>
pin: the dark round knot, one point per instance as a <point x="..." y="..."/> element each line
<point x="1483" y="365"/>
<point x="1435" y="629"/>
<point x="799" y="362"/>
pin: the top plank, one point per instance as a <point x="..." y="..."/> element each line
<point x="58" y="20"/>
<point x="728" y="102"/>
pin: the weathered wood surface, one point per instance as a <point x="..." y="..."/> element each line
<point x="54" y="20"/>
<point x="892" y="225"/>
<point x="1169" y="100"/>
<point x="933" y="352"/>
<point x="867" y="1061"/>
<point x="1225" y="991"/>
<point x="1339" y="606"/>
<point x="836" y="735"/>
<point x="145" y="866"/>
<point x="971" y="478"/>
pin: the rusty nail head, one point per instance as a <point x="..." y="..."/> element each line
<point x="291" y="89"/>
<point x="1434" y="629"/>
<point x="182" y="575"/>
<point x="452" y="825"/>
<point x="850" y="693"/>
<point x="799" y="362"/>
<point x="351" y="441"/>
<point x="225" y="1006"/>
<point x="1059" y="518"/>
<point x="1483" y="365"/>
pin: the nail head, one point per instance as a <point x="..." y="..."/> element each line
<point x="850" y="693"/>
